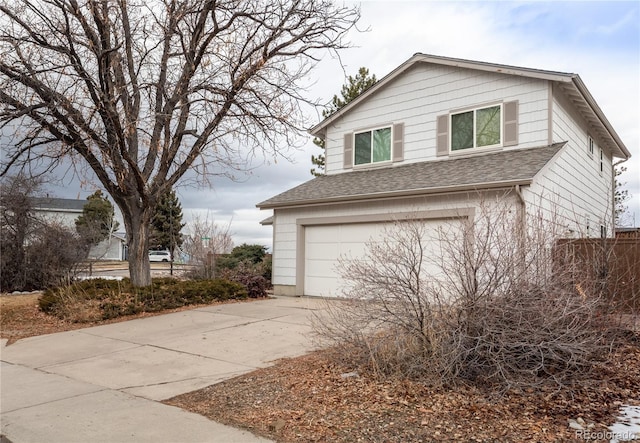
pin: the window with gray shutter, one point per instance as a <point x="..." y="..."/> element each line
<point x="510" y="137"/>
<point x="348" y="151"/>
<point x="442" y="135"/>
<point x="398" y="142"/>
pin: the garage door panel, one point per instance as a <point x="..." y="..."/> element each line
<point x="318" y="234"/>
<point x="321" y="268"/>
<point x="321" y="251"/>
<point x="353" y="250"/>
<point x="359" y="233"/>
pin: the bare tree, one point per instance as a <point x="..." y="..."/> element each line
<point x="205" y="239"/>
<point x="143" y="92"/>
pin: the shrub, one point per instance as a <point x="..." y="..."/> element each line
<point x="250" y="276"/>
<point x="243" y="254"/>
<point x="267" y="266"/>
<point x="100" y="299"/>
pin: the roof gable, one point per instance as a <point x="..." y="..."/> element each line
<point x="571" y="85"/>
<point x="500" y="169"/>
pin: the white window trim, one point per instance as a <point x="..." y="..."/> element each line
<point x="475" y="148"/>
<point x="372" y="164"/>
<point x="601" y="167"/>
<point x="587" y="222"/>
<point x="590" y="146"/>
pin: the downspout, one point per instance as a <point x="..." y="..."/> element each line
<point x="523" y="207"/>
<point x="521" y="230"/>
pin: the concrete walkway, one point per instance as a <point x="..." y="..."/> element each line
<point x="104" y="384"/>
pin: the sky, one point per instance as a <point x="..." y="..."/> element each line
<point x="600" y="41"/>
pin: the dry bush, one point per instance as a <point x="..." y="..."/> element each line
<point x="492" y="307"/>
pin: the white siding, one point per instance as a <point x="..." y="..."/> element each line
<point x="63" y="218"/>
<point x="572" y="187"/>
<point x="110" y="249"/>
<point x="425" y="91"/>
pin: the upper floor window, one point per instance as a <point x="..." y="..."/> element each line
<point x="590" y="146"/>
<point x="379" y="145"/>
<point x="476" y="128"/>
<point x="479" y="127"/>
<point x="373" y="146"/>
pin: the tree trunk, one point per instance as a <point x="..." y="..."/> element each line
<point x="137" y="225"/>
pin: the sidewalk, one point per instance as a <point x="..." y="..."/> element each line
<point x="104" y="384"/>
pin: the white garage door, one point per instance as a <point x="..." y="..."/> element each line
<point x="325" y="244"/>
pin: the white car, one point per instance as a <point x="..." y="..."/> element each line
<point x="159" y="256"/>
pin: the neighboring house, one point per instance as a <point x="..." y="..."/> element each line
<point x="113" y="248"/>
<point x="65" y="211"/>
<point x="431" y="139"/>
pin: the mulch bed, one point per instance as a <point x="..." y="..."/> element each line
<point x="314" y="399"/>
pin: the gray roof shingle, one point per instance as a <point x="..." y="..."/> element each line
<point x="475" y="172"/>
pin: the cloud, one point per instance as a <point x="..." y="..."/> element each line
<point x="630" y="18"/>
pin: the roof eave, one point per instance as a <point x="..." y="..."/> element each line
<point x="396" y="194"/>
<point x="267" y="221"/>
<point x="623" y="152"/>
<point x="496" y="67"/>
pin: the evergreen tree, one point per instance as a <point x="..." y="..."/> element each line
<point x="166" y="224"/>
<point x="350" y="90"/>
<point x="97" y="220"/>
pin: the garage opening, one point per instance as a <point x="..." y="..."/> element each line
<point x="325" y="244"/>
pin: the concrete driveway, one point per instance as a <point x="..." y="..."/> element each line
<point x="103" y="384"/>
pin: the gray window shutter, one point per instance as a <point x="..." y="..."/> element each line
<point x="398" y="142"/>
<point x="442" y="135"/>
<point x="510" y="135"/>
<point x="348" y="150"/>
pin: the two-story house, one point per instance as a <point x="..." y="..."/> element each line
<point x="426" y="141"/>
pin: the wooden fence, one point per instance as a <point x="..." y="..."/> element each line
<point x="614" y="262"/>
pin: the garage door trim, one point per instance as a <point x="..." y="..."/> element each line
<point x="302" y="223"/>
